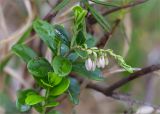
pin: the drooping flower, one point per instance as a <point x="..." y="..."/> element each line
<point x="88" y="64"/>
<point x="102" y="62"/>
<point x="93" y="65"/>
<point x="98" y="62"/>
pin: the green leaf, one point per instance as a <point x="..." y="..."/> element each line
<point x="79" y="14"/>
<point x="79" y="28"/>
<point x="52" y="104"/>
<point x="39" y="67"/>
<point x="22" y="107"/>
<point x="45" y="84"/>
<point x="25" y="35"/>
<point x="64" y="49"/>
<point x="20" y="102"/>
<point x="53" y="78"/>
<point x="105" y="3"/>
<point x="81" y="53"/>
<point x="38" y="107"/>
<point x="61" y="5"/>
<point x="80" y="69"/>
<point x="91" y="41"/>
<point x="47" y="33"/>
<point x="4" y="62"/>
<point x="62" y="34"/>
<point x="121" y="61"/>
<point x="73" y="57"/>
<point x="61" y="66"/>
<point x="33" y="99"/>
<point x="24" y="52"/>
<point x="100" y="19"/>
<point x="80" y="38"/>
<point x="74" y="91"/>
<point x="60" y="88"/>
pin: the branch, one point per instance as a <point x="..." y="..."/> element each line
<point x="109" y="90"/>
<point x="106" y="36"/>
<point x="131" y="77"/>
<point x="115" y="95"/>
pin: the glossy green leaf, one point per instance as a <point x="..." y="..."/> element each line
<point x="33" y="99"/>
<point x="47" y="33"/>
<point x="64" y="49"/>
<point x="100" y="19"/>
<point x="52" y="104"/>
<point x="79" y="68"/>
<point x="61" y="66"/>
<point x="24" y="52"/>
<point x="22" y="107"/>
<point x="79" y="14"/>
<point x="38" y="107"/>
<point x="20" y="102"/>
<point x="54" y="79"/>
<point x="73" y="57"/>
<point x="91" y="41"/>
<point x="39" y="67"/>
<point x="74" y="91"/>
<point x="80" y="38"/>
<point x="62" y="34"/>
<point x="60" y="88"/>
<point x="46" y="84"/>
<point x="25" y="35"/>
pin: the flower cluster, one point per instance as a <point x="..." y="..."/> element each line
<point x="100" y="62"/>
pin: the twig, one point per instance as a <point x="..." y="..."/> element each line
<point x="115" y="95"/>
<point x="51" y="14"/>
<point x="131" y="77"/>
<point x="114" y="71"/>
<point x="105" y="38"/>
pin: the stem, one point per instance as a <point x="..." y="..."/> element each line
<point x="59" y="48"/>
<point x="46" y="97"/>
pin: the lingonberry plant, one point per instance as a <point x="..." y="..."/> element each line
<point x="71" y="52"/>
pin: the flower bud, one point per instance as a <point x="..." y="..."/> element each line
<point x="88" y="64"/>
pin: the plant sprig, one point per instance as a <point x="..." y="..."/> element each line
<point x="53" y="77"/>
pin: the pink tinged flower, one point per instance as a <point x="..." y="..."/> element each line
<point x="102" y="62"/>
<point x="98" y="62"/>
<point x="93" y="65"/>
<point x="88" y="64"/>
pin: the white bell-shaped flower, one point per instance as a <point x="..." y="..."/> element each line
<point x="88" y="64"/>
<point x="98" y="62"/>
<point x="93" y="65"/>
<point x="102" y="62"/>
